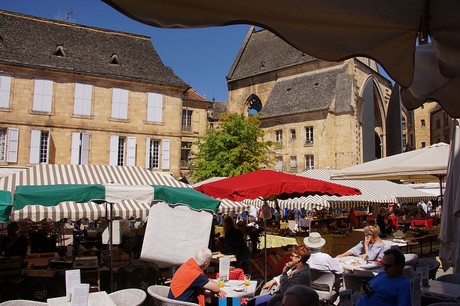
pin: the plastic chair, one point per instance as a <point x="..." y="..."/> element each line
<point x="433" y="265"/>
<point x="354" y="281"/>
<point x="22" y="303"/>
<point x="128" y="297"/>
<point x="324" y="283"/>
<point x="159" y="295"/>
<point x="449" y="278"/>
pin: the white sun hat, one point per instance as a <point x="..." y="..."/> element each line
<point x="314" y="240"/>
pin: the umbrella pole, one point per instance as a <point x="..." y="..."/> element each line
<point x="440" y="190"/>
<point x="111" y="247"/>
<point x="265" y="250"/>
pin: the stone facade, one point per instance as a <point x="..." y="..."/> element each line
<point x="145" y="134"/>
<point x="317" y="112"/>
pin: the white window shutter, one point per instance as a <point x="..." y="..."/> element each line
<point x="124" y="104"/>
<point x="116" y="102"/>
<point x="12" y="146"/>
<point x="158" y="108"/>
<point x="131" y="152"/>
<point x="5" y="89"/>
<point x="165" y="154"/>
<point x="37" y="104"/>
<point x="113" y="160"/>
<point x="84" y="149"/>
<point x="47" y="95"/>
<point x="87" y="98"/>
<point x="75" y="149"/>
<point x="147" y="153"/>
<point x="150" y="106"/>
<point x="48" y="147"/>
<point x="34" y="157"/>
<point x="78" y="99"/>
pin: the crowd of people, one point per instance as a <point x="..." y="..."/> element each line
<point x="292" y="287"/>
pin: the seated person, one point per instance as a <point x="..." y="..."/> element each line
<point x="295" y="271"/>
<point x="319" y="260"/>
<point x="389" y="287"/>
<point x="300" y="295"/>
<point x="189" y="282"/>
<point x="371" y="248"/>
<point x="14" y="244"/>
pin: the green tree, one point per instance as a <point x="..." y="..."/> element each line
<point x="234" y="148"/>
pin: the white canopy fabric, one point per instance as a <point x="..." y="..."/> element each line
<point x="128" y="187"/>
<point x="423" y="165"/>
<point x="372" y="192"/>
<point x="334" y="30"/>
<point x="450" y="216"/>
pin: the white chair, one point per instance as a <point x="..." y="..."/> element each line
<point x="22" y="303"/>
<point x="159" y="295"/>
<point x="324" y="283"/>
<point x="128" y="297"/>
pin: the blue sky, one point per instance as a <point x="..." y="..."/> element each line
<point x="201" y="57"/>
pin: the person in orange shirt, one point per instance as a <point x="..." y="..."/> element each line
<point x="189" y="282"/>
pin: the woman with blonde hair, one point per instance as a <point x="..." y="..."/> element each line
<point x="371" y="248"/>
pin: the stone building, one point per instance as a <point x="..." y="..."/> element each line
<point x="320" y="114"/>
<point x="72" y="94"/>
<point x="424" y="126"/>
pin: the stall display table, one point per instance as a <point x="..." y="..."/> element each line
<point x="425" y="222"/>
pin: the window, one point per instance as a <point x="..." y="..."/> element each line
<point x="9" y="145"/>
<point x="438" y="123"/>
<point x="119" y="103"/>
<point x="186" y="120"/>
<point x="185" y="154"/>
<point x="153" y="149"/>
<point x="279" y="164"/>
<point x="279" y="136"/>
<point x="423" y="144"/>
<point x="153" y="154"/>
<point x="293" y="134"/>
<point x="43" y="96"/>
<point x="404" y="142"/>
<point x="422" y="122"/>
<point x="309" y="162"/>
<point x="79" y="154"/>
<point x="5" y="90"/>
<point x="154" y="107"/>
<point x="403" y="123"/>
<point x="39" y="147"/>
<point x="293" y="163"/>
<point x="309" y="135"/>
<point x="82" y="99"/>
<point x="122" y="151"/>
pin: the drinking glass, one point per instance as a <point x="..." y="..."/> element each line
<point x="247" y="281"/>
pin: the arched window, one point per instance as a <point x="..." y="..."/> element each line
<point x="254" y="105"/>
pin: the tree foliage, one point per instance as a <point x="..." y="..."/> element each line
<point x="234" y="148"/>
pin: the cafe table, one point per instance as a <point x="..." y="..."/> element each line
<point x="235" y="290"/>
<point x="352" y="263"/>
<point x="443" y="290"/>
<point x="100" y="298"/>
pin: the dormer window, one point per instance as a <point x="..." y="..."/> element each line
<point x="114" y="59"/>
<point x="59" y="51"/>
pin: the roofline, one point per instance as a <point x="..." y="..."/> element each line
<point x="241" y="51"/>
<point x="74" y="25"/>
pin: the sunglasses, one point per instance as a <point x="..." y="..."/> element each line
<point x="387" y="266"/>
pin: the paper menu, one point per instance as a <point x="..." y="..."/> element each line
<point x="80" y="295"/>
<point x="224" y="267"/>
<point x="72" y="278"/>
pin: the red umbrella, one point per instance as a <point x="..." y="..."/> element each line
<point x="265" y="183"/>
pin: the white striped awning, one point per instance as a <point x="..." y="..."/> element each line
<point x="87" y="174"/>
<point x="308" y="203"/>
<point x="227" y="206"/>
<point x="372" y="191"/>
<point x="75" y="211"/>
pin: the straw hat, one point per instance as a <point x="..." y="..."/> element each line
<point x="314" y="240"/>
